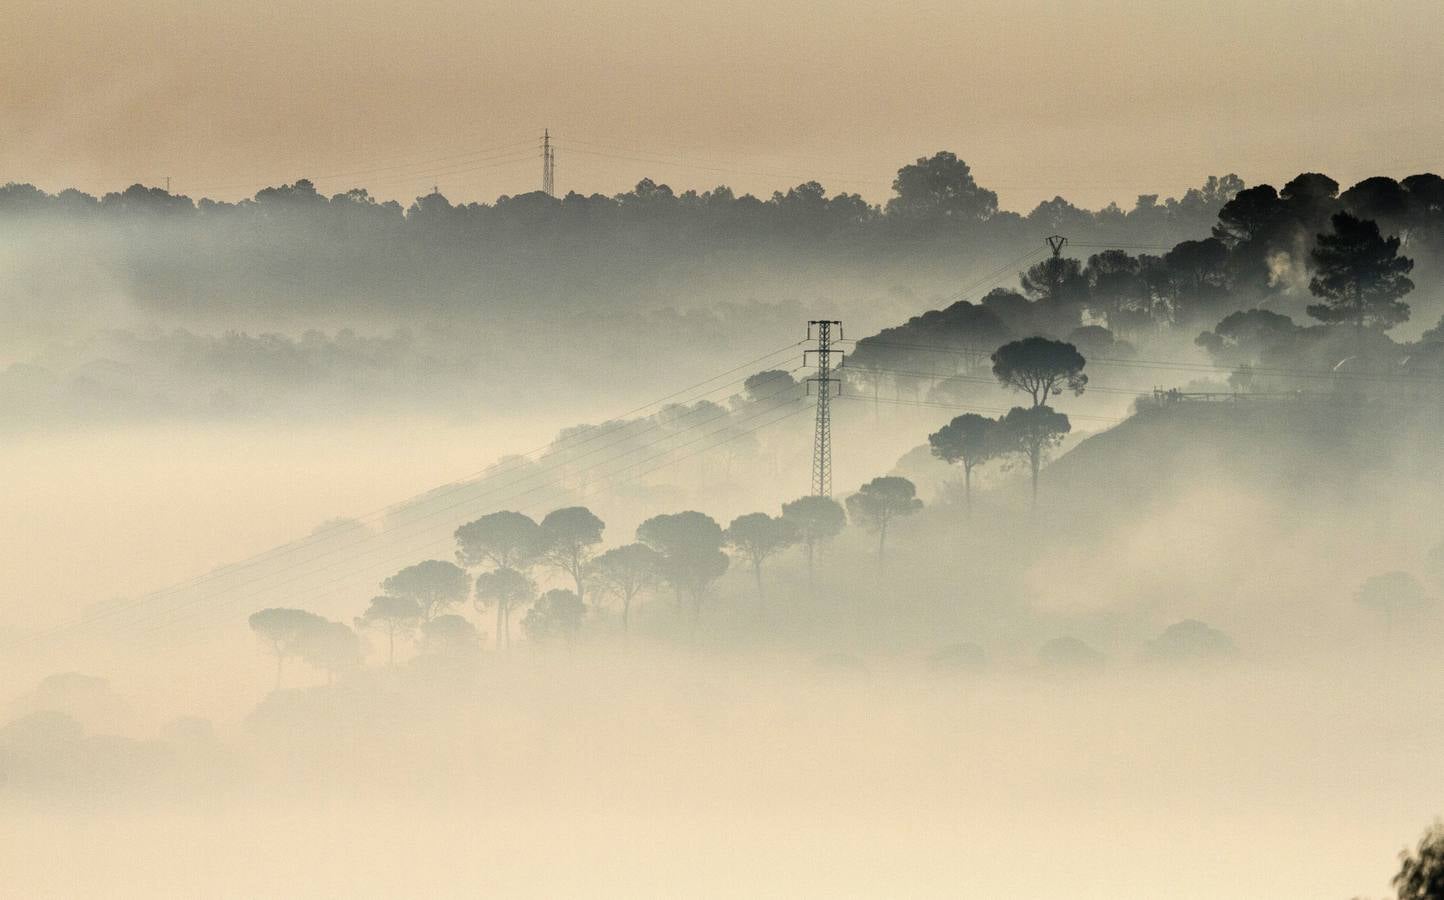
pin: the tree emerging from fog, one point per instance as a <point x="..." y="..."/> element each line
<point x="879" y="503"/>
<point x="434" y="585"/>
<point x="756" y="537"/>
<point x="508" y="590"/>
<point x="1040" y="367"/>
<point x="690" y="545"/>
<point x="1031" y="433"/>
<point x="557" y="614"/>
<point x="969" y="440"/>
<point x="505" y="540"/>
<point x="818" y="520"/>
<point x="1360" y="278"/>
<point x="567" y="539"/>
<point x="626" y="571"/>
<point x="286" y="631"/>
<point x="394" y="615"/>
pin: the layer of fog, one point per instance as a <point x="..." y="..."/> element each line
<point x="831" y="744"/>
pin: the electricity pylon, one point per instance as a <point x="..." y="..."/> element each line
<point x="822" y="434"/>
<point x="549" y="165"/>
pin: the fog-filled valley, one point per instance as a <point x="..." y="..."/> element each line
<point x="360" y="550"/>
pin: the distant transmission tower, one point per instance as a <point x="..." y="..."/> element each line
<point x="549" y="166"/>
<point x="822" y="435"/>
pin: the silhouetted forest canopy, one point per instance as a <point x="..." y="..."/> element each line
<point x="140" y="303"/>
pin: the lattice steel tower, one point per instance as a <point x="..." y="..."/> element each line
<point x="549" y="165"/>
<point x="822" y="435"/>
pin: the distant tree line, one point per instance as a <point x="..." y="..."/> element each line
<point x="293" y="248"/>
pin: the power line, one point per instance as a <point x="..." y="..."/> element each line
<point x="968" y="407"/>
<point x="963" y="350"/>
<point x="725" y="170"/>
<point x="428" y="165"/>
<point x="411" y="552"/>
<point x="620" y="422"/>
<point x="980" y="379"/>
<point x="499" y="502"/>
<point x="991" y="278"/>
<point x="681" y="159"/>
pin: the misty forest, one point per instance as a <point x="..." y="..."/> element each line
<point x="686" y="542"/>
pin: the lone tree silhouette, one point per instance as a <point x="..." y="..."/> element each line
<point x="1031" y="433"/>
<point x="755" y="537"/>
<point x="434" y="584"/>
<point x="626" y="571"/>
<point x="969" y="439"/>
<point x="817" y="519"/>
<point x="939" y="189"/>
<point x="1360" y="276"/>
<point x="691" y="547"/>
<point x="286" y="630"/>
<point x="1040" y="368"/>
<point x="879" y="502"/>
<point x="568" y="538"/>
<point x="397" y="615"/>
<point x="1421" y="874"/>
<point x="507" y="589"/>
<point x="505" y="540"/>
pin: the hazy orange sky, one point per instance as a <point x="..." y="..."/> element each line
<point x="1095" y="100"/>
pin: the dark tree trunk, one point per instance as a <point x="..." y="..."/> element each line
<point x="811" y="580"/>
<point x="1033" y="460"/>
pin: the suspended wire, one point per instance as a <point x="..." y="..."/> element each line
<point x="980" y="379"/>
<point x="725" y="170"/>
<point x="999" y="273"/>
<point x="722" y="166"/>
<point x="1121" y="246"/>
<point x="1176" y="365"/>
<point x="432" y="175"/>
<point x="511" y="148"/>
<point x="966" y="407"/>
<point x="411" y="552"/>
<point x="620" y="422"/>
<point x="399" y="531"/>
<point x="993" y="277"/>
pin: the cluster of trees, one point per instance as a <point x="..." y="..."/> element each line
<point x="685" y="551"/>
<point x="1036" y="366"/>
<point x="1355" y="272"/>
